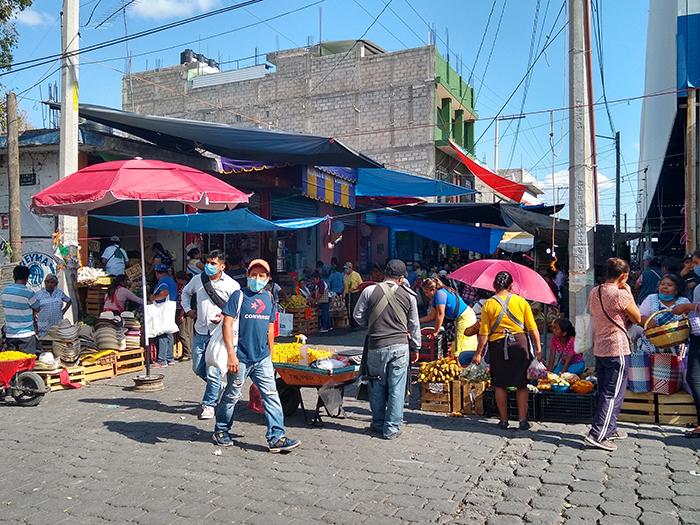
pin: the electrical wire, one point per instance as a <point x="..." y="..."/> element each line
<point x="483" y="39"/>
<point x="385" y="28"/>
<point x="28" y="64"/>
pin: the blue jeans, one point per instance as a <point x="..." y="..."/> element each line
<point x="325" y="315"/>
<point x="165" y="344"/>
<point x="210" y="374"/>
<point x="387" y="393"/>
<point x="263" y="375"/>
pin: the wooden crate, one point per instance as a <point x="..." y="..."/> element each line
<point x="130" y="361"/>
<point x="96" y="371"/>
<point x="306" y="327"/>
<point x="95" y="300"/>
<point x="676" y="409"/>
<point x="52" y="380"/>
<point x="441" y="397"/>
<point x="340" y="319"/>
<point x="638" y="408"/>
<point x="472" y="398"/>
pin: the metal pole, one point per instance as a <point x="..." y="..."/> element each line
<point x="581" y="188"/>
<point x="617" y="188"/>
<point x="147" y="349"/>
<point x="586" y="19"/>
<point x="13" y="177"/>
<point x="495" y="148"/>
<point x="68" y="150"/>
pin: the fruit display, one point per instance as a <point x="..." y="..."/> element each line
<point x="295" y="301"/>
<point x="287" y="353"/>
<point x="582" y="387"/>
<point x="441" y="371"/>
<point x="318" y="353"/>
<point x="475" y="374"/>
<point x="553" y="382"/>
<point x="13" y="355"/>
<point x="570" y="378"/>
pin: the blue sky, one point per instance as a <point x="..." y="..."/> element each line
<point x="402" y="25"/>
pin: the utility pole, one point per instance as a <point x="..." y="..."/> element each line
<point x="13" y="178"/>
<point x="625" y="223"/>
<point x="495" y="147"/>
<point x="68" y="151"/>
<point x="617" y="185"/>
<point x="581" y="187"/>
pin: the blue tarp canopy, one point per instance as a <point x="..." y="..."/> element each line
<point x="228" y="141"/>
<point x="472" y="238"/>
<point x="235" y="221"/>
<point x="380" y="182"/>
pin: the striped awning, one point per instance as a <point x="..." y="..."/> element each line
<point x="326" y="187"/>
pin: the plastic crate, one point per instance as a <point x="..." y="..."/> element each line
<point x="431" y="346"/>
<point x="567" y="407"/>
<point x="491" y="410"/>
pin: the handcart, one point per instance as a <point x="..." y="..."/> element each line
<point x="17" y="380"/>
<point x="292" y="378"/>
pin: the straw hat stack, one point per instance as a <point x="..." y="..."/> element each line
<point x="133" y="330"/>
<point x="109" y="332"/>
<point x="65" y="343"/>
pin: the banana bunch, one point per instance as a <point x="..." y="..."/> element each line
<point x="13" y="355"/>
<point x="287" y="353"/>
<point x="296" y="301"/>
<point x="441" y="371"/>
<point x="318" y="353"/>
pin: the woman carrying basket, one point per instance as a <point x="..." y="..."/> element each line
<point x="671" y="293"/>
<point x="506" y="322"/>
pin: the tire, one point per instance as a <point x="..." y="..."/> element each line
<point x="290" y="397"/>
<point x="31" y="381"/>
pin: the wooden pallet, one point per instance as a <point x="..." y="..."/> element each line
<point x="441" y="397"/>
<point x="96" y="371"/>
<point x="52" y="380"/>
<point x="676" y="409"/>
<point x="472" y="397"/>
<point x="95" y="300"/>
<point x="306" y="327"/>
<point x="340" y="319"/>
<point x="130" y="361"/>
<point x="638" y="408"/>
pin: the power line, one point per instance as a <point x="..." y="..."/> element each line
<point x="493" y="46"/>
<point x="376" y="19"/>
<point x="483" y="39"/>
<point x="385" y="28"/>
<point x="107" y="43"/>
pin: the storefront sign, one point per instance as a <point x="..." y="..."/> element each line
<point x="40" y="265"/>
<point x="27" y="179"/>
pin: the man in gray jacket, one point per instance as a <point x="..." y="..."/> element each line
<point x="389" y="312"/>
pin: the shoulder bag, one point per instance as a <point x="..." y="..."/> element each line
<point x="618" y="325"/>
<point x="209" y="288"/>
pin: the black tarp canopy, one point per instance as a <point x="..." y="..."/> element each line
<point x="473" y="212"/>
<point x="228" y="141"/>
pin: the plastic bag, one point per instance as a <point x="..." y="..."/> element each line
<point x="584" y="334"/>
<point x="475" y="374"/>
<point x="536" y="370"/>
<point x="331" y="398"/>
<point x="216" y="354"/>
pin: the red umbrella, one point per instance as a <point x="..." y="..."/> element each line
<point x="135" y="180"/>
<point x="526" y="282"/>
<point x="138" y="180"/>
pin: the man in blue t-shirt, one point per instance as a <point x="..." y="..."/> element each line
<point x="165" y="290"/>
<point x="248" y="351"/>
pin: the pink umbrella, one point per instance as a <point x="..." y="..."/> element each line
<point x="135" y="180"/>
<point x="526" y="282"/>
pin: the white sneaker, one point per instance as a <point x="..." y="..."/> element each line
<point x="207" y="412"/>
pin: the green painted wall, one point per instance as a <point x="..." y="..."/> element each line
<point x="461" y="132"/>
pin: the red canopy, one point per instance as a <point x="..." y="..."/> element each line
<point x="135" y="179"/>
<point x="506" y="187"/>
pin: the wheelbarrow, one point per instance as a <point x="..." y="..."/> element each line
<point x="18" y="380"/>
<point x="292" y="378"/>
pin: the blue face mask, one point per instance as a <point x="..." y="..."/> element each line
<point x="210" y="269"/>
<point x="666" y="296"/>
<point x="697" y="270"/>
<point x="256" y="285"/>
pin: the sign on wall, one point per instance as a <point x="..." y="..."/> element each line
<point x="40" y="265"/>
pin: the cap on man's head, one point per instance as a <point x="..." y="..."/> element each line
<point x="114" y="238"/>
<point x="395" y="268"/>
<point x="161" y="268"/>
<point x="259" y="262"/>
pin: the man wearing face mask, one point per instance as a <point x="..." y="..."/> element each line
<point x="211" y="290"/>
<point x="248" y="347"/>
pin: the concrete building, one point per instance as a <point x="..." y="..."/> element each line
<point x="399" y="108"/>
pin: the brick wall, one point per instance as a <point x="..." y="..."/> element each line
<point x="382" y="105"/>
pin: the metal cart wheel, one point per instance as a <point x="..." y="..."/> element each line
<point x="28" y="389"/>
<point x="290" y="397"/>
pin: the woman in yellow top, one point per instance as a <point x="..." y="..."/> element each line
<point x="506" y="318"/>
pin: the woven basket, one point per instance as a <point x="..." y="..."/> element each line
<point x="668" y="335"/>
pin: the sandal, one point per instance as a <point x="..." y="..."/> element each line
<point x="503" y="425"/>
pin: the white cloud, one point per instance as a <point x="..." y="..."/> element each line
<point x="558" y="192"/>
<point x="33" y="18"/>
<point x="159" y="9"/>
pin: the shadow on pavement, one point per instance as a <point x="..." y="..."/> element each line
<point x="186" y="407"/>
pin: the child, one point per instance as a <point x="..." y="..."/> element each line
<point x="563" y="348"/>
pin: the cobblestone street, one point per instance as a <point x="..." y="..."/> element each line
<point x="106" y="454"/>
